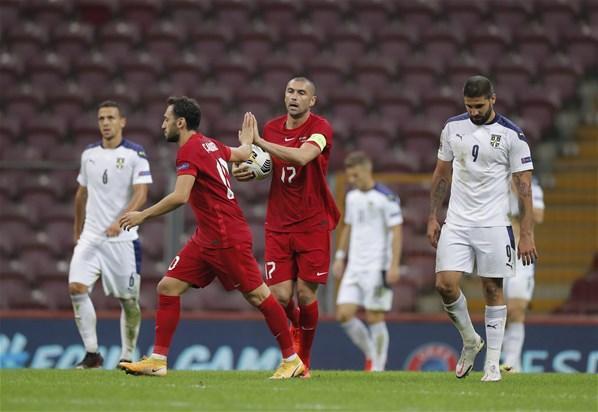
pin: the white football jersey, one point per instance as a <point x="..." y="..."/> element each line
<point x="371" y="214"/>
<point x="483" y="159"/>
<point x="109" y="176"/>
<point x="537" y="198"/>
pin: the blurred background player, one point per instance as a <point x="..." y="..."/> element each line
<point x="519" y="289"/>
<point x="221" y="245"/>
<point x="113" y="180"/>
<point x="479" y="152"/>
<point x="372" y="235"/>
<point x="301" y="210"/>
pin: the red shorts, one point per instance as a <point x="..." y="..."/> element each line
<point x="236" y="266"/>
<point x="304" y="255"/>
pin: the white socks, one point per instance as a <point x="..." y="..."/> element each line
<point x="130" y="320"/>
<point x="360" y="336"/>
<point x="380" y="338"/>
<point x="459" y="314"/>
<point x="496" y="318"/>
<point x="85" y="318"/>
<point x="513" y="344"/>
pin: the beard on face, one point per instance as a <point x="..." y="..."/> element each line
<point x="480" y="120"/>
<point x="172" y="136"/>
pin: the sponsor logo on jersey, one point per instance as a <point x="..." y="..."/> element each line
<point x="525" y="160"/>
<point x="210" y="147"/>
<point x="432" y="357"/>
<point x="495" y="140"/>
<point x="120" y="162"/>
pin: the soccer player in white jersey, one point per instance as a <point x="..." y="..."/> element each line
<point x="113" y="180"/>
<point x="518" y="289"/>
<point x="479" y="152"/>
<point x="372" y="236"/>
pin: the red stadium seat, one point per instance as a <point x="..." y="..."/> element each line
<point x="462" y="68"/>
<point x="234" y="13"/>
<point x="27" y="41"/>
<point x="405" y="296"/>
<point x="189" y="12"/>
<point x="581" y="44"/>
<point x="279" y="15"/>
<point x="558" y="14"/>
<point x="142" y="13"/>
<point x="417" y="14"/>
<point x="325" y="14"/>
<point x="351" y="42"/>
<point x="97" y="12"/>
<point x="234" y="71"/>
<point x="9" y="12"/>
<point x="302" y="43"/>
<point x="421" y="72"/>
<point x="73" y="39"/>
<point x="439" y="105"/>
<point x="442" y="41"/>
<point x="163" y="40"/>
<point x="47" y="72"/>
<point x="46" y="132"/>
<point x="510" y="14"/>
<point x="534" y="42"/>
<point x="118" y="39"/>
<point x="396" y="41"/>
<point x="276" y="71"/>
<point x="93" y="71"/>
<point x="55" y="293"/>
<point x="22" y="152"/>
<point x="328" y="72"/>
<point x="85" y="128"/>
<point x="489" y="44"/>
<point x="263" y="102"/>
<point x="16" y="293"/>
<point x="210" y="41"/>
<point x="396" y="104"/>
<point x="257" y="43"/>
<point x="68" y="102"/>
<point x="152" y="235"/>
<point x="139" y="70"/>
<point x="465" y="13"/>
<point x="352" y="105"/>
<point x="24" y="103"/>
<point x="213" y="101"/>
<point x="374" y="73"/>
<point x="515" y="73"/>
<point x="540" y="105"/>
<point x="561" y="74"/>
<point x="372" y="15"/>
<point x="421" y="263"/>
<point x="126" y="96"/>
<point x="185" y="73"/>
<point x="11" y="70"/>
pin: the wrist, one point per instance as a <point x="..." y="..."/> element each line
<point x="340" y="254"/>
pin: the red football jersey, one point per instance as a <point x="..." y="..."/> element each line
<point x="299" y="199"/>
<point x="220" y="221"/>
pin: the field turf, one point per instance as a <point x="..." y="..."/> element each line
<point x="104" y="390"/>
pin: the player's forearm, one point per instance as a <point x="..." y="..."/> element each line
<point x="396" y="247"/>
<point x="522" y="183"/>
<point x="295" y="155"/>
<point x="440" y="187"/>
<point x="80" y="202"/>
<point x="137" y="200"/>
<point x="343" y="243"/>
<point x="241" y="153"/>
<point x="167" y="204"/>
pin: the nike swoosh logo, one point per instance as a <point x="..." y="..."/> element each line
<point x="154" y="370"/>
<point x="320" y="273"/>
<point x="288" y="139"/>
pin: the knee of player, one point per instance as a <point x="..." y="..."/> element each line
<point x="444" y="288"/>
<point x="77" y="288"/>
<point x="342" y="316"/>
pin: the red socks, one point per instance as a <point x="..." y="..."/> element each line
<point x="277" y="322"/>
<point x="308" y="319"/>
<point x="167" y="319"/>
<point x="292" y="311"/>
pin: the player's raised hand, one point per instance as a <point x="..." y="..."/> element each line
<point x="433" y="231"/>
<point x="246" y="132"/>
<point x="242" y="173"/>
<point x="256" y="131"/>
<point x="131" y="219"/>
<point x="113" y="230"/>
<point x="526" y="250"/>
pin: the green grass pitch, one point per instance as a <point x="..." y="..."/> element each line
<point x="103" y="390"/>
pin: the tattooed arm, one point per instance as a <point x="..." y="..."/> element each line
<point x="526" y="248"/>
<point x="441" y="183"/>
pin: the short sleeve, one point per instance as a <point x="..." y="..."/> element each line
<point x="82" y="176"/>
<point x="141" y="170"/>
<point x="184" y="162"/>
<point x="520" y="158"/>
<point x="445" y="152"/>
<point x="224" y="150"/>
<point x="393" y="214"/>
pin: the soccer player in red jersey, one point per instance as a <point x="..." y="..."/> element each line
<point x="221" y="245"/>
<point x="301" y="210"/>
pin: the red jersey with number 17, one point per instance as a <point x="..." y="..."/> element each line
<point x="220" y="221"/>
<point x="299" y="199"/>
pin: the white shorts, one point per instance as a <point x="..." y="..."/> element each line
<point x="520" y="286"/>
<point x="486" y="251"/>
<point x="365" y="288"/>
<point x="118" y="263"/>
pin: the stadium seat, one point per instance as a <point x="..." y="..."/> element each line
<point x="147" y="294"/>
<point x="185" y="73"/>
<point x="15" y="293"/>
<point x="210" y="41"/>
<point x="153" y="236"/>
<point x="540" y="105"/>
<point x="261" y="101"/>
<point x="302" y="43"/>
<point x="396" y="104"/>
<point x="11" y="70"/>
<point x="163" y="40"/>
<point x="462" y="68"/>
<point x="214" y="297"/>
<point x="234" y="71"/>
<point x="140" y="69"/>
<point x="73" y="39"/>
<point x="93" y="71"/>
<point x="97" y="12"/>
<point x="405" y="296"/>
<point x="125" y="95"/>
<point x="37" y="260"/>
<point x="439" y="105"/>
<point x="351" y="104"/>
<point x="55" y="293"/>
<point x="581" y="44"/>
<point x="145" y="132"/>
<point x="213" y="101"/>
<point x="85" y="128"/>
<point x="395" y="41"/>
<point x="421" y="72"/>
<point x="420" y="263"/>
<point x="276" y="71"/>
<point x="417" y="14"/>
<point x="464" y="13"/>
<point x="515" y="72"/>
<point x="582" y="298"/>
<point x="534" y="42"/>
<point x="142" y="13"/>
<point x="60" y="234"/>
<point x="257" y="42"/>
<point x="561" y="74"/>
<point x="510" y="14"/>
<point x="372" y="14"/>
<point x="68" y="102"/>
<point x="117" y="40"/>
<point x="558" y="14"/>
<point x="24" y="103"/>
<point x="489" y="44"/>
<point x="189" y="12"/>
<point x="47" y="72"/>
<point x="374" y="73"/>
<point x="279" y="14"/>
<point x="234" y="13"/>
<point x="9" y="12"/>
<point x="325" y="14"/>
<point x="351" y="42"/>
<point x="442" y="41"/>
<point x="27" y="41"/>
<point x="22" y="153"/>
<point x="328" y="72"/>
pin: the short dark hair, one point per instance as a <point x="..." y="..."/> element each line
<point x="186" y="108"/>
<point x="478" y="86"/>
<point x="357" y="158"/>
<point x="306" y="80"/>
<point x="112" y="103"/>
